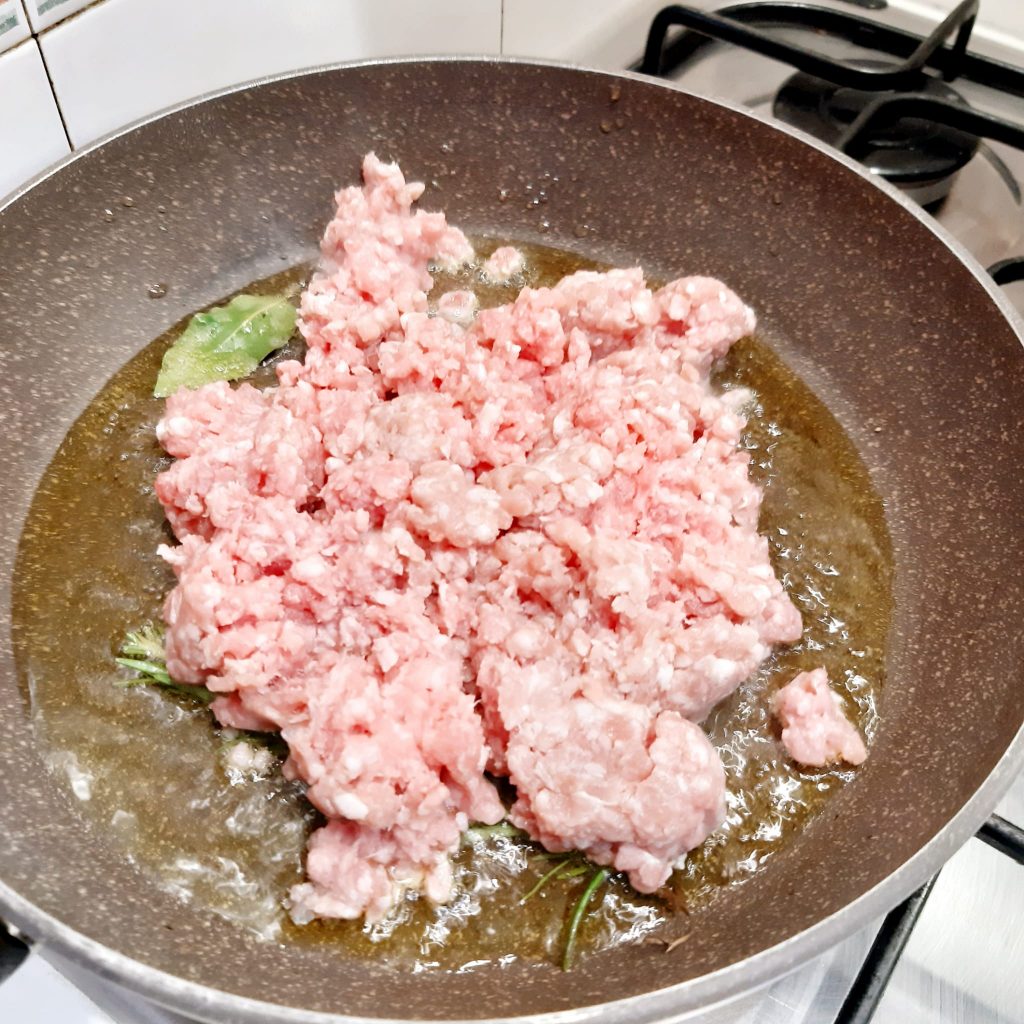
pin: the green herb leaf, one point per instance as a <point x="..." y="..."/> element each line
<point x="151" y="670"/>
<point x="197" y="693"/>
<point x="143" y="651"/>
<point x="600" y="877"/>
<point x="555" y="872"/>
<point x="580" y="869"/>
<point x="226" y="342"/>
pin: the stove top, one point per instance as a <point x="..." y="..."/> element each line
<point x="940" y="124"/>
<point x="937" y="123"/>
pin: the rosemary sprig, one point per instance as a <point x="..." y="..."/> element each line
<point x="566" y="867"/>
<point x="599" y="878"/>
<point x="143" y="653"/>
<point x="544" y="879"/>
<point x="580" y="869"/>
<point x="146" y="643"/>
<point x="152" y="671"/>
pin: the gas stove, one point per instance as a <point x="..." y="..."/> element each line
<point x="938" y="110"/>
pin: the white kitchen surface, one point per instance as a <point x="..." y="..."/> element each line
<point x="995" y="16"/>
<point x="38" y="994"/>
<point x="31" y="135"/>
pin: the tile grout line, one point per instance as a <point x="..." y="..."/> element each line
<point x="53" y="90"/>
<point x="37" y="38"/>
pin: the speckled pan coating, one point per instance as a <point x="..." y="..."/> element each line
<point x="881" y="317"/>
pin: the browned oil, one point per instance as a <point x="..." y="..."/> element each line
<point x="149" y="768"/>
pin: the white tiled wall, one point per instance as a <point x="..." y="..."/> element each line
<point x="31" y="136"/>
<point x="123" y="59"/>
<point x="13" y="24"/>
<point x="44" y="13"/>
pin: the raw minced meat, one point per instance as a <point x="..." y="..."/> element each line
<point x="524" y="542"/>
<point x="815" y="729"/>
<point x="504" y="263"/>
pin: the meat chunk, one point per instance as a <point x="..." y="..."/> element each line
<point x="504" y="263"/>
<point x="523" y="541"/>
<point x="633" y="787"/>
<point x="355" y="871"/>
<point x="815" y="729"/>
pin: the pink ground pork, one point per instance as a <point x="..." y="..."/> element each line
<point x="520" y="541"/>
<point x="815" y="729"/>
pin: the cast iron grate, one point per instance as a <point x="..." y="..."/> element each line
<point x="899" y="114"/>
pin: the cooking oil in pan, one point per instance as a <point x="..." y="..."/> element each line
<point x="153" y="772"/>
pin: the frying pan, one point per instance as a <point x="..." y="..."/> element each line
<point x="880" y="312"/>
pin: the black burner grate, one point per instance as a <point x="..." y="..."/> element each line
<point x="1008" y="272"/>
<point x="12" y="952"/>
<point x="906" y="94"/>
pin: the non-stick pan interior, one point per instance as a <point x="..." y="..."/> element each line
<point x="885" y="322"/>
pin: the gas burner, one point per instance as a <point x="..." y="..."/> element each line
<point x="919" y="155"/>
<point x="897" y="114"/>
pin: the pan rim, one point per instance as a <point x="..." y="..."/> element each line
<point x="677" y="1002"/>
